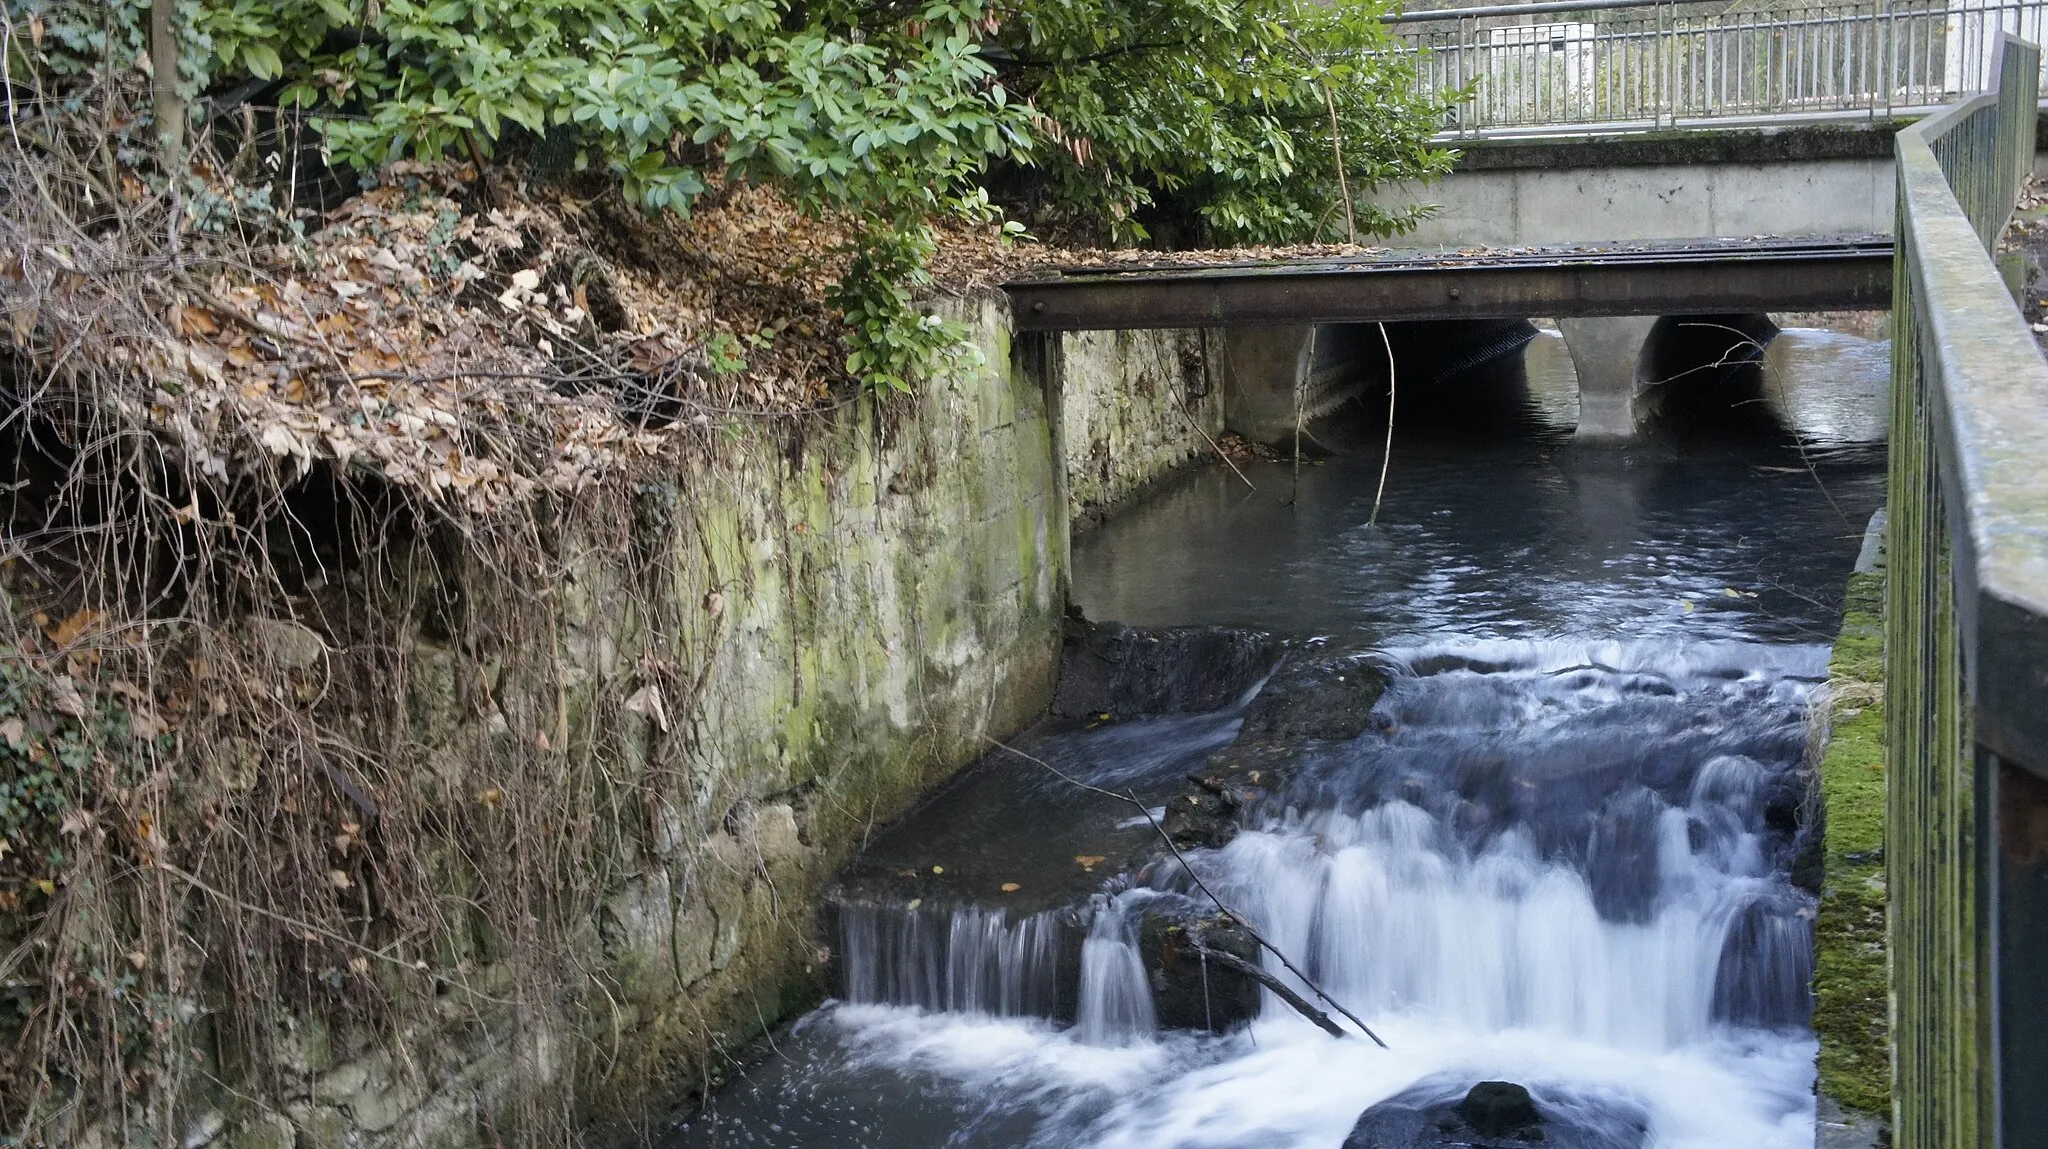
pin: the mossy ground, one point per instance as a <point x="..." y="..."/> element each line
<point x="1850" y="981"/>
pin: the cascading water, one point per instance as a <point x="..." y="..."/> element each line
<point x="1571" y="845"/>
<point x="1443" y="869"/>
<point x="1116" y="998"/>
<point x="964" y="960"/>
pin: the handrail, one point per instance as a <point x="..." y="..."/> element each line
<point x="1967" y="638"/>
<point x="1588" y="65"/>
<point x="1544" y="8"/>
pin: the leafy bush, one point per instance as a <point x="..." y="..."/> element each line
<point x="1215" y="116"/>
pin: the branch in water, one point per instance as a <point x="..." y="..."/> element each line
<point x="1243" y="922"/>
<point x="1280" y="988"/>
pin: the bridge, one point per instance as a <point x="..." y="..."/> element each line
<point x="1608" y="119"/>
<point x="1966" y="616"/>
<point x="1608" y="298"/>
<point x="1608" y="148"/>
<point x="1290" y="349"/>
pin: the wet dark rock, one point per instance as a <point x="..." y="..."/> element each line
<point x="1188" y="992"/>
<point x="1621" y="856"/>
<point x="1310" y="699"/>
<point x="1307" y="700"/>
<point x="1445" y="1113"/>
<point x="1110" y="668"/>
<point x="1498" y="1109"/>
<point x="1204" y="814"/>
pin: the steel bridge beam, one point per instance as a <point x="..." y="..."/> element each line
<point x="1851" y="273"/>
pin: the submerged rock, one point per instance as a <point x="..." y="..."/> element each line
<point x="1306" y="700"/>
<point x="1497" y="1115"/>
<point x="1314" y="699"/>
<point x="1499" y="1109"/>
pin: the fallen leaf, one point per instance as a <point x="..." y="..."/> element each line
<point x="646" y="702"/>
<point x="1088" y="861"/>
<point x="338" y="880"/>
<point x="938" y="869"/>
<point x="65" y="697"/>
<point x="67" y="632"/>
<point x="1011" y="887"/>
<point x="15" y="731"/>
<point x="137" y="958"/>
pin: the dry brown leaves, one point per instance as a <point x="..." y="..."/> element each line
<point x="480" y="356"/>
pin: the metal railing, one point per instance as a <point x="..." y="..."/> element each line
<point x="1626" y="65"/>
<point x="1967" y="640"/>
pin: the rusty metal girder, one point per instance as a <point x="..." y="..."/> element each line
<point x="1847" y="273"/>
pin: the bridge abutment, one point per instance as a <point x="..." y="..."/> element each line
<point x="1275" y="377"/>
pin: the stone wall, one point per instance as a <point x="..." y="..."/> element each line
<point x="1134" y="406"/>
<point x="786" y="646"/>
<point x="776" y="652"/>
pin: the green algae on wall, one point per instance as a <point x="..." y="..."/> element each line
<point x="1851" y="989"/>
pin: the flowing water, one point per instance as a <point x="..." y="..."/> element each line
<point x="1562" y="852"/>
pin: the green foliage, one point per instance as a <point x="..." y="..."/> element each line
<point x="1219" y="111"/>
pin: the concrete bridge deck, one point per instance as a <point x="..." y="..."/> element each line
<point x="1673" y="277"/>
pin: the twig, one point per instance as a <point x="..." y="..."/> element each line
<point x="1242" y="921"/>
<point x="1386" y="456"/>
<point x="1212" y="444"/>
<point x="1302" y="378"/>
<point x="483" y="170"/>
<point x="295" y="923"/>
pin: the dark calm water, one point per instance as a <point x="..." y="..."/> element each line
<point x="1549" y="861"/>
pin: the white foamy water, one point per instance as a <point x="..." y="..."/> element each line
<point x="1549" y="863"/>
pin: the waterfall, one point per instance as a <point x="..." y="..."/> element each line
<point x="1116" y="998"/>
<point x="962" y="959"/>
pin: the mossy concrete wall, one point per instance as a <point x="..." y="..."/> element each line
<point x="1851" y="988"/>
<point x="1134" y="406"/>
<point x="776" y="649"/>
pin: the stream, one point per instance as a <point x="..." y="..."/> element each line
<point x="1517" y="775"/>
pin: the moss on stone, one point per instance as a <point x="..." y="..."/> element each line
<point x="1850" y="979"/>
